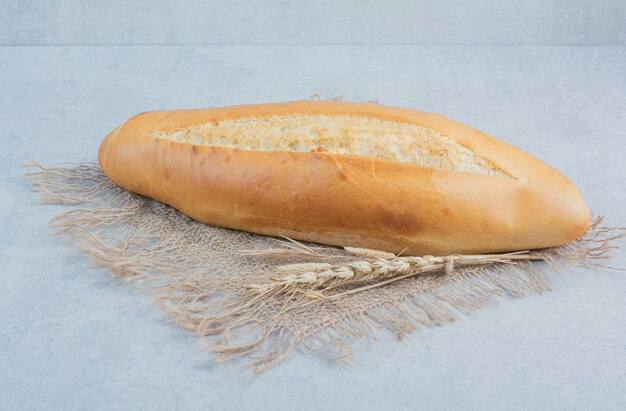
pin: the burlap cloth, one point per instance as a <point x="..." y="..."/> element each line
<point x="200" y="276"/>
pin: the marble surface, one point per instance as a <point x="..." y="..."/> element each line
<point x="71" y="337"/>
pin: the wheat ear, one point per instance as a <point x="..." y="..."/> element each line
<point x="363" y="265"/>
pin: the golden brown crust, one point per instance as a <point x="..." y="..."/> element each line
<point x="345" y="199"/>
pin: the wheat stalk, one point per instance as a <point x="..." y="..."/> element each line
<point x="362" y="264"/>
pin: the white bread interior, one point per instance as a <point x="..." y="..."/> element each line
<point x="339" y="134"/>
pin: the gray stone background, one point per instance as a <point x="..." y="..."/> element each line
<point x="313" y="22"/>
<point x="547" y="76"/>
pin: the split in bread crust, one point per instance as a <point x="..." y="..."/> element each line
<point x="339" y="134"/>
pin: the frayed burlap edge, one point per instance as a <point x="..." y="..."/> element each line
<point x="201" y="277"/>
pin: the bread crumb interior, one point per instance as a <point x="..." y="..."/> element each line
<point x="341" y="134"/>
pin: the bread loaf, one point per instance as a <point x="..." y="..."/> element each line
<point x="358" y="174"/>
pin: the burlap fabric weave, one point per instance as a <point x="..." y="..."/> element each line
<point x="200" y="276"/>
